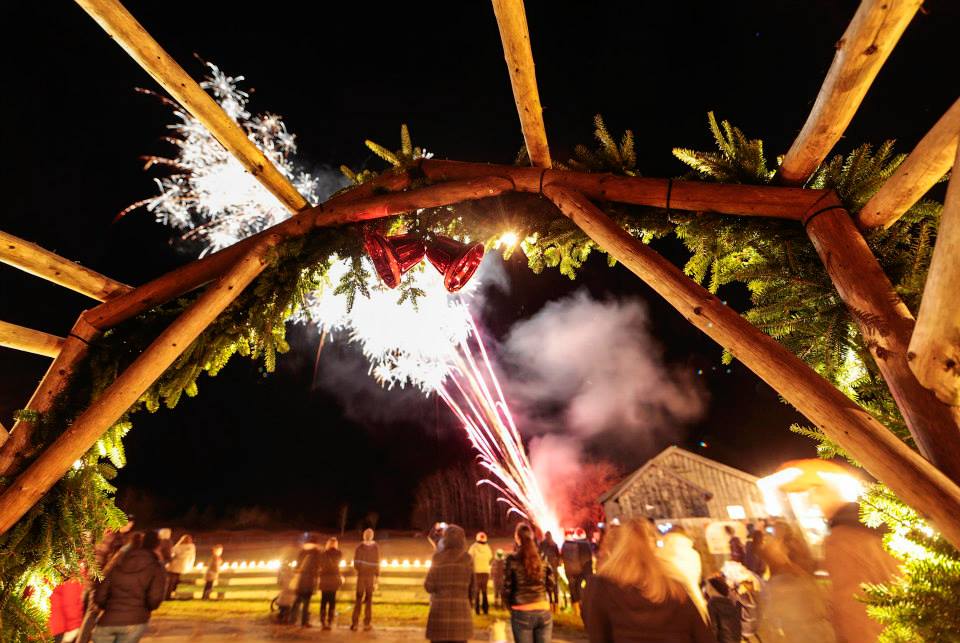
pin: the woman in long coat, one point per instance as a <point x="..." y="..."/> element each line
<point x="450" y="584"/>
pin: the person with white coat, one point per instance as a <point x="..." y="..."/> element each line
<point x="183" y="556"/>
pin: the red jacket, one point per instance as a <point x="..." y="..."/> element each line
<point x="66" y="607"/>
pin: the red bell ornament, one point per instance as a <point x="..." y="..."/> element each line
<point x="393" y="256"/>
<point x="456" y="261"/>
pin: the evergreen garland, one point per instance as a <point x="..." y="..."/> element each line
<point x="792" y="299"/>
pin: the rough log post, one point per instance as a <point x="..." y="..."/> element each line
<point x="336" y="211"/>
<point x="74" y="349"/>
<point x="928" y="162"/>
<point x="87" y="428"/>
<point x="935" y="345"/>
<point x="31" y="258"/>
<point x="512" y="21"/>
<point x="913" y="478"/>
<point x="29" y="340"/>
<point x="861" y="52"/>
<point x="886" y="326"/>
<point x="134" y="39"/>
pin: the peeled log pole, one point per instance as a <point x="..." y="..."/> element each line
<point x="29" y="340"/>
<point x="512" y="21"/>
<point x="334" y="212"/>
<point x="914" y="479"/>
<point x="935" y="345"/>
<point x="31" y="258"/>
<point x="928" y="162"/>
<point x="16" y="446"/>
<point x="886" y="326"/>
<point x="114" y="18"/>
<point x="871" y="36"/>
<point x="87" y="428"/>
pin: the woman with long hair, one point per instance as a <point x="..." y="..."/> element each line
<point x="330" y="581"/>
<point x="635" y="597"/>
<point x="528" y="583"/>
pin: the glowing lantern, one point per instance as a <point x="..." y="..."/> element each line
<point x="393" y="256"/>
<point x="395" y="563"/>
<point x="455" y="261"/>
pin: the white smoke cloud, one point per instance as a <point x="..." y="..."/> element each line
<point x="588" y="367"/>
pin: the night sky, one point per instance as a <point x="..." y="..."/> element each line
<point x="73" y="130"/>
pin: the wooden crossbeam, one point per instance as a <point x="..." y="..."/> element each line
<point x="935" y="346"/>
<point x="29" y="340"/>
<point x="42" y="263"/>
<point x="886" y="326"/>
<point x="512" y="22"/>
<point x="87" y="428"/>
<point x="910" y="476"/>
<point x="114" y="18"/>
<point x="874" y="31"/>
<point x="927" y="163"/>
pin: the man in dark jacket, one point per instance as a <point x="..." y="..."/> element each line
<point x="724" y="612"/>
<point x="366" y="562"/>
<point x="577" y="558"/>
<point x="551" y="553"/>
<point x="129" y="593"/>
<point x="308" y="568"/>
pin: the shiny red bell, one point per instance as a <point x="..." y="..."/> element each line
<point x="393" y="256"/>
<point x="456" y="261"/>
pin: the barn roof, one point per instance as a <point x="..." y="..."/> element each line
<point x="659" y="461"/>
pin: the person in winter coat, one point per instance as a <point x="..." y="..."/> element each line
<point x="482" y="556"/>
<point x="104" y="552"/>
<point x="636" y="597"/>
<point x="737" y="552"/>
<point x="751" y="557"/>
<point x="182" y="557"/>
<point x="577" y="556"/>
<point x="450" y="583"/>
<point x="213" y="570"/>
<point x="330" y="581"/>
<point x="792" y="606"/>
<point x="551" y="553"/>
<point x="129" y="593"/>
<point x="679" y="552"/>
<point x="853" y="554"/>
<point x="723" y="610"/>
<point x="497" y="573"/>
<point x="366" y="562"/>
<point x="528" y="583"/>
<point x="66" y="609"/>
<point x="308" y="575"/>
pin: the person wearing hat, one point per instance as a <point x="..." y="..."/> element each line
<point x="482" y="556"/>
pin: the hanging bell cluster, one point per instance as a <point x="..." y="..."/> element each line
<point x="393" y="256"/>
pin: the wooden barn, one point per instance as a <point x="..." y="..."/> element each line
<point x="677" y="484"/>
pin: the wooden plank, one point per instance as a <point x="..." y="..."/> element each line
<point x="913" y="478"/>
<point x="886" y="326"/>
<point x="935" y="345"/>
<point x="17" y="445"/>
<point x="334" y="212"/>
<point x="927" y="163"/>
<point x="122" y="27"/>
<point x="42" y="263"/>
<point x="87" y="428"/>
<point x="29" y="340"/>
<point x="512" y="22"/>
<point x="871" y="36"/>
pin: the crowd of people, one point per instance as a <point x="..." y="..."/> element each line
<point x="635" y="584"/>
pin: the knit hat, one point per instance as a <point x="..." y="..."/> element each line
<point x="481" y="537"/>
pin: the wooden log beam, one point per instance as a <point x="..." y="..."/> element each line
<point x="90" y="425"/>
<point x="122" y="27"/>
<point x="874" y="31"/>
<point x="334" y="212"/>
<point x="747" y="200"/>
<point x="29" y="340"/>
<point x="912" y="477"/>
<point x="17" y="445"/>
<point x="42" y="263"/>
<point x="886" y="326"/>
<point x="935" y="345"/>
<point x="927" y="163"/>
<point x="512" y="22"/>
